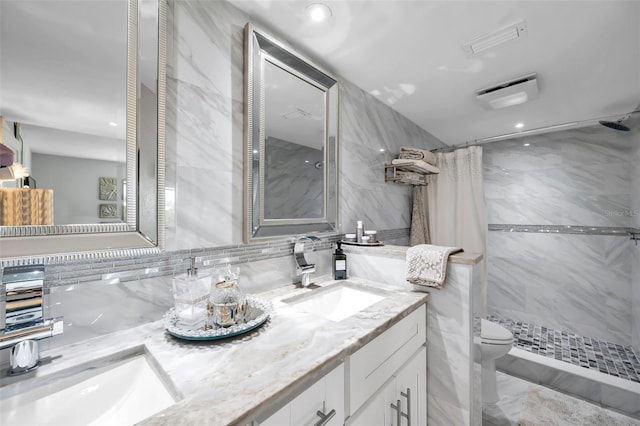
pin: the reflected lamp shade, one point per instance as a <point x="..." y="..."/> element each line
<point x="21" y="207"/>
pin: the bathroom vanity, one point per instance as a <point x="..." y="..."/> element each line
<point x="297" y="367"/>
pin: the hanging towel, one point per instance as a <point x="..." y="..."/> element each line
<point x="419" y="233"/>
<point x="418" y="154"/>
<point x="427" y="264"/>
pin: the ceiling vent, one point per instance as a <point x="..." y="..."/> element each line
<point x="496" y="38"/>
<point x="509" y="93"/>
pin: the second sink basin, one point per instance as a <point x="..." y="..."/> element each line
<point x="336" y="302"/>
<point x="122" y="393"/>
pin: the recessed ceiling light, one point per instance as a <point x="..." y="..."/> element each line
<point x="318" y="12"/>
<point x="381" y="149"/>
<point x="306" y="161"/>
<point x="255" y="151"/>
<point x="519" y="125"/>
<point x="527" y="144"/>
<point x="113" y="124"/>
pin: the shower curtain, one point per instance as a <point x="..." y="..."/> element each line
<point x="449" y="211"/>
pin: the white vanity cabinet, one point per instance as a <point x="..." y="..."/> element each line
<point x="391" y="371"/>
<point x="323" y="399"/>
<point x="401" y="401"/>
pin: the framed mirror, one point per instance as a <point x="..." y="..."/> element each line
<point x="85" y="84"/>
<point x="291" y="149"/>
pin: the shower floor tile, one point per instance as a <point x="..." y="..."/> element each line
<point x="606" y="357"/>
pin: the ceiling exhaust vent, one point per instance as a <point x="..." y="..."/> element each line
<point x="509" y="93"/>
<point x="496" y="38"/>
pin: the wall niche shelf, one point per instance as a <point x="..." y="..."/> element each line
<point x="410" y="172"/>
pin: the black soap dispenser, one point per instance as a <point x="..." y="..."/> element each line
<point x="339" y="264"/>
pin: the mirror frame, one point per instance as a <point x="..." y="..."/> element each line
<point x="67" y="242"/>
<point x="261" y="47"/>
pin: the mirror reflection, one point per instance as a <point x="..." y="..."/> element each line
<point x="64" y="77"/>
<point x="82" y="84"/>
<point x="294" y="146"/>
<point x="291" y="147"/>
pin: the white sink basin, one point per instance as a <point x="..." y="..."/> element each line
<point x="336" y="302"/>
<point x="118" y="394"/>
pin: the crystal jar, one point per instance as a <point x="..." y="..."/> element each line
<point x="227" y="302"/>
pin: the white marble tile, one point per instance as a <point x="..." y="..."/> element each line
<point x="506" y="412"/>
<point x="621" y="400"/>
<point x="98" y="308"/>
<point x="449" y="374"/>
<point x="391" y="270"/>
<point x="580" y="275"/>
<point x="571" y="384"/>
<point x="210" y="221"/>
<point x="450" y="310"/>
<point x="443" y="412"/>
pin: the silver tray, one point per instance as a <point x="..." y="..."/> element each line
<point x="258" y="311"/>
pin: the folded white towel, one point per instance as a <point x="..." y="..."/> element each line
<point x="411" y="177"/>
<point x="427" y="264"/>
<point x="418" y="154"/>
<point x="418" y="166"/>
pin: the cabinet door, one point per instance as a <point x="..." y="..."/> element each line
<point x="411" y="388"/>
<point x="376" y="411"/>
<point x="325" y="396"/>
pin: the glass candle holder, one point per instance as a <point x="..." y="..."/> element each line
<point x="227" y="302"/>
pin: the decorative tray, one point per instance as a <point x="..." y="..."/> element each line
<point x="258" y="311"/>
<point x="354" y="243"/>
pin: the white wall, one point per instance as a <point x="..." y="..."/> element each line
<point x="75" y="200"/>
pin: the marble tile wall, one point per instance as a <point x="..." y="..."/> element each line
<point x="291" y="174"/>
<point x="205" y="139"/>
<point x="635" y="250"/>
<point x="576" y="283"/>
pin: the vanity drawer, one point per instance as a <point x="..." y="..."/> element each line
<point x="371" y="366"/>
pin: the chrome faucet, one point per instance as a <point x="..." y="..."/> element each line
<point x="304" y="269"/>
<point x="22" y="319"/>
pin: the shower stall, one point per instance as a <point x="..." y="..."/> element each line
<point x="563" y="266"/>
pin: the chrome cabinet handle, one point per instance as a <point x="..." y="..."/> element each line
<point x="398" y="409"/>
<point x="324" y="418"/>
<point x="407" y="415"/>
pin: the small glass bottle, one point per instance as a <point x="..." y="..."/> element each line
<point x="359" y="231"/>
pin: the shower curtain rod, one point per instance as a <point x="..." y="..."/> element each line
<point x="536" y="131"/>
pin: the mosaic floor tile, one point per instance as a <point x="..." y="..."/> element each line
<point x="609" y="358"/>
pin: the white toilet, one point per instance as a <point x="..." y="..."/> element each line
<point x="496" y="341"/>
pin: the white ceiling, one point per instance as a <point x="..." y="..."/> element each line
<point x="409" y="55"/>
<point x="63" y="73"/>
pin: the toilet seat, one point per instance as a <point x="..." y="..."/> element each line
<point x="494" y="334"/>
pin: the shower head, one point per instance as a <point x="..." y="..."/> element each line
<point x="615" y="125"/>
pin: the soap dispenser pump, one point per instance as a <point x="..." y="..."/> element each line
<point x="192" y="271"/>
<point x="339" y="264"/>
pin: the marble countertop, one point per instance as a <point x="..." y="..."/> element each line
<point x="231" y="381"/>
<point x="465" y="258"/>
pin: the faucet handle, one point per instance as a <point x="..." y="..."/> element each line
<point x="24" y="357"/>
